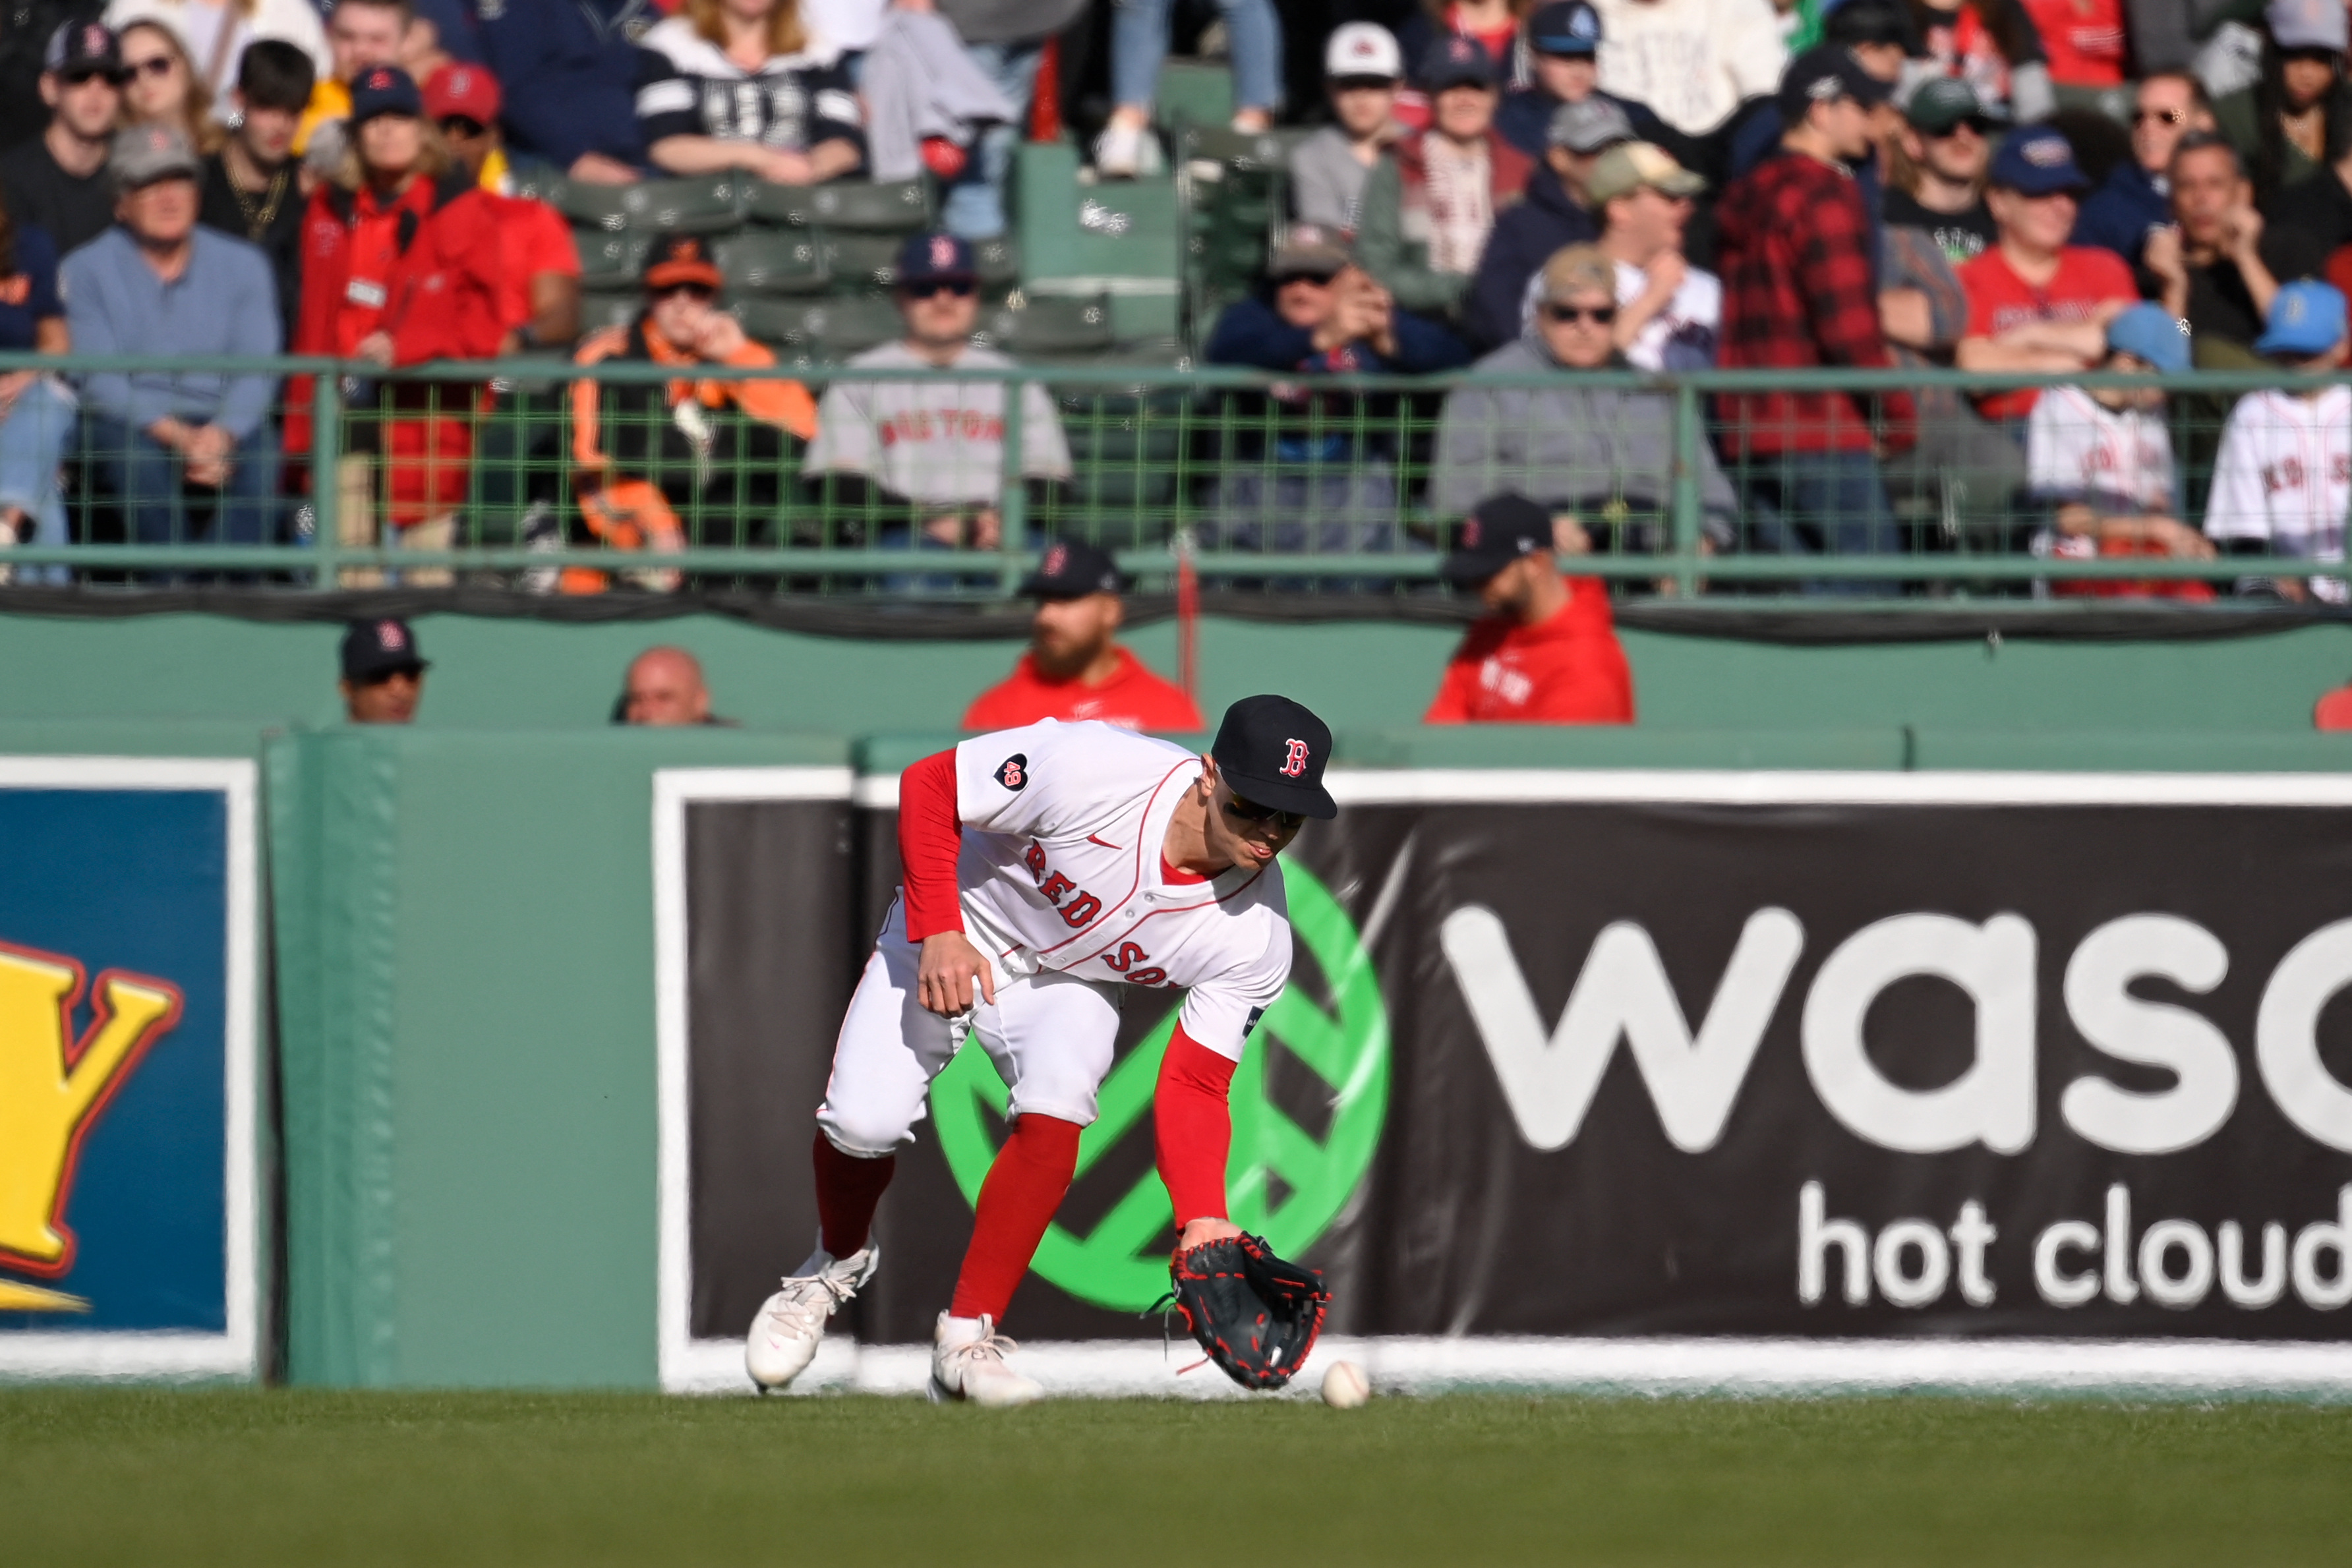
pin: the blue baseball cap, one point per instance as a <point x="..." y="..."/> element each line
<point x="1564" y="27"/>
<point x="2147" y="332"/>
<point x="936" y="257"/>
<point x="385" y="90"/>
<point x="2036" y="162"/>
<point x="2306" y="320"/>
<point x="1456" y="62"/>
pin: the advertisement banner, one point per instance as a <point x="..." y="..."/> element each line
<point x="128" y="1199"/>
<point x="1685" y="1058"/>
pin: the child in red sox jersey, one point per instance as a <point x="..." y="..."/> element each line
<point x="2283" y="479"/>
<point x="1548" y="650"/>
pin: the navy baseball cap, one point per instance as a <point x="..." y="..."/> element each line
<point x="1072" y="569"/>
<point x="1824" y="74"/>
<point x="78" y="50"/>
<point x="385" y="90"/>
<point x="1564" y="27"/>
<point x="936" y="257"/>
<point x="1498" y="530"/>
<point x="2307" y="319"/>
<point x="2036" y="162"/>
<point x="375" y="649"/>
<point x="1456" y="62"/>
<point x="1272" y="752"/>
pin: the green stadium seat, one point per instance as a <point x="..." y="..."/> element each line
<point x="703" y="205"/>
<point x="860" y="262"/>
<point x="1194" y="93"/>
<point x="611" y="261"/>
<point x="1077" y="328"/>
<point x="894" y="208"/>
<point x="1119" y="239"/>
<point x="609" y="307"/>
<point x="999" y="264"/>
<point x="762" y="263"/>
<point x="819" y="331"/>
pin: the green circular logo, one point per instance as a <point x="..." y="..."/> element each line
<point x="1348" y="1050"/>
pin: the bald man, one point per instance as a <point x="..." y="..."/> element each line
<point x="664" y="686"/>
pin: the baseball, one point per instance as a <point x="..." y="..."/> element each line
<point x="1345" y="1386"/>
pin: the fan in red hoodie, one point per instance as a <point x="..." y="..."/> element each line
<point x="1547" y="652"/>
<point x="1073" y="669"/>
<point x="401" y="266"/>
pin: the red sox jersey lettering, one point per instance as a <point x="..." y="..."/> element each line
<point x="1061" y="872"/>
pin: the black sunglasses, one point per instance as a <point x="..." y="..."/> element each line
<point x="1602" y="315"/>
<point x="153" y="66"/>
<point x="464" y="126"/>
<point x="961" y="287"/>
<point x="1958" y="125"/>
<point x="691" y="290"/>
<point x="1251" y="811"/>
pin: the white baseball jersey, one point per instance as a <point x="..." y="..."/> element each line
<point x="936" y="442"/>
<point x="2285" y="475"/>
<point x="2118" y="461"/>
<point x="1061" y="869"/>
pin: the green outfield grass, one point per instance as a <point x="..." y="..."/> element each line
<point x="255" y="1479"/>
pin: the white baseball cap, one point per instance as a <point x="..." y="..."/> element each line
<point x="1363" y="49"/>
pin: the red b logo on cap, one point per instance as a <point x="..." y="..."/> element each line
<point x="1294" y="762"/>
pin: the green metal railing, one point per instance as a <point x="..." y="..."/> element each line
<point x="1231" y="468"/>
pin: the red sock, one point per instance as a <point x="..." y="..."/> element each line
<point x="847" y="1188"/>
<point x="1017" y="1201"/>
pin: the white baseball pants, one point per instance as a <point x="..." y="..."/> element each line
<point x="1050" y="1036"/>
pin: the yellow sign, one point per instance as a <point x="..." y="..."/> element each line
<point x="52" y="1089"/>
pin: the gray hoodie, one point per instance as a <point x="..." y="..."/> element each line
<point x="1326" y="183"/>
<point x="1571" y="444"/>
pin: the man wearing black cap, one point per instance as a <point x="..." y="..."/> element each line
<point x="1075" y="668"/>
<point x="383" y="674"/>
<point x="58" y="181"/>
<point x="934" y="448"/>
<point x="1800" y="270"/>
<point x="1046" y="868"/>
<point x="1546" y="651"/>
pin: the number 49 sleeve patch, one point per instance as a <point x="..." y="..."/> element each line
<point x="1013" y="771"/>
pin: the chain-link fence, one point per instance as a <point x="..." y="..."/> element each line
<point x="628" y="475"/>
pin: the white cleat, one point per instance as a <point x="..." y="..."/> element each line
<point x="785" y="1336"/>
<point x="968" y="1362"/>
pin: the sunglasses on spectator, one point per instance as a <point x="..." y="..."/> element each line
<point x="153" y="66"/>
<point x="702" y="291"/>
<point x="1599" y="315"/>
<point x="1321" y="279"/>
<point x="1251" y="811"/>
<point x="97" y="73"/>
<point x="961" y="287"/>
<point x="1976" y="126"/>
<point x="1362" y="84"/>
<point x="464" y="126"/>
<point x="2169" y="116"/>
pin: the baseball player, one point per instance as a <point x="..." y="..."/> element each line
<point x="1044" y="868"/>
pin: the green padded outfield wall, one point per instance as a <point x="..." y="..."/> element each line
<point x="1362" y="674"/>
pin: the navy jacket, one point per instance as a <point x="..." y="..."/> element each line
<point x="1546" y="218"/>
<point x="1252" y="332"/>
<point x="570" y="71"/>
<point x="2118" y="215"/>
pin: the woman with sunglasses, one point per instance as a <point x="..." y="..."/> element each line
<point x="210" y="37"/>
<point x="1599" y="455"/>
<point x="1047" y="871"/>
<point x="2297" y="119"/>
<point x="745" y="84"/>
<point x="159" y="87"/>
<point x="400" y="265"/>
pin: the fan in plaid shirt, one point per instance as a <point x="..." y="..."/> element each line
<point x="1801" y="291"/>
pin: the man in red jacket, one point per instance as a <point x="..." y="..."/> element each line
<point x="1800" y="292"/>
<point x="1075" y="668"/>
<point x="1546" y="650"/>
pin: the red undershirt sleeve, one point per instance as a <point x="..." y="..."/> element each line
<point x="1194" y="1127"/>
<point x="931" y="836"/>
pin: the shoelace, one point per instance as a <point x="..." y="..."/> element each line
<point x="989" y="1346"/>
<point x="809" y="1301"/>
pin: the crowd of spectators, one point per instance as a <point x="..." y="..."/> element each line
<point x="1553" y="190"/>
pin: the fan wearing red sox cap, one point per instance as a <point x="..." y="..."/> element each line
<point x="1048" y="869"/>
<point x="1546" y="650"/>
<point x="1075" y="668"/>
<point x="539" y="276"/>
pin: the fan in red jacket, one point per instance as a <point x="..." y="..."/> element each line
<point x="1548" y="653"/>
<point x="400" y="266"/>
<point x="1073" y="668"/>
